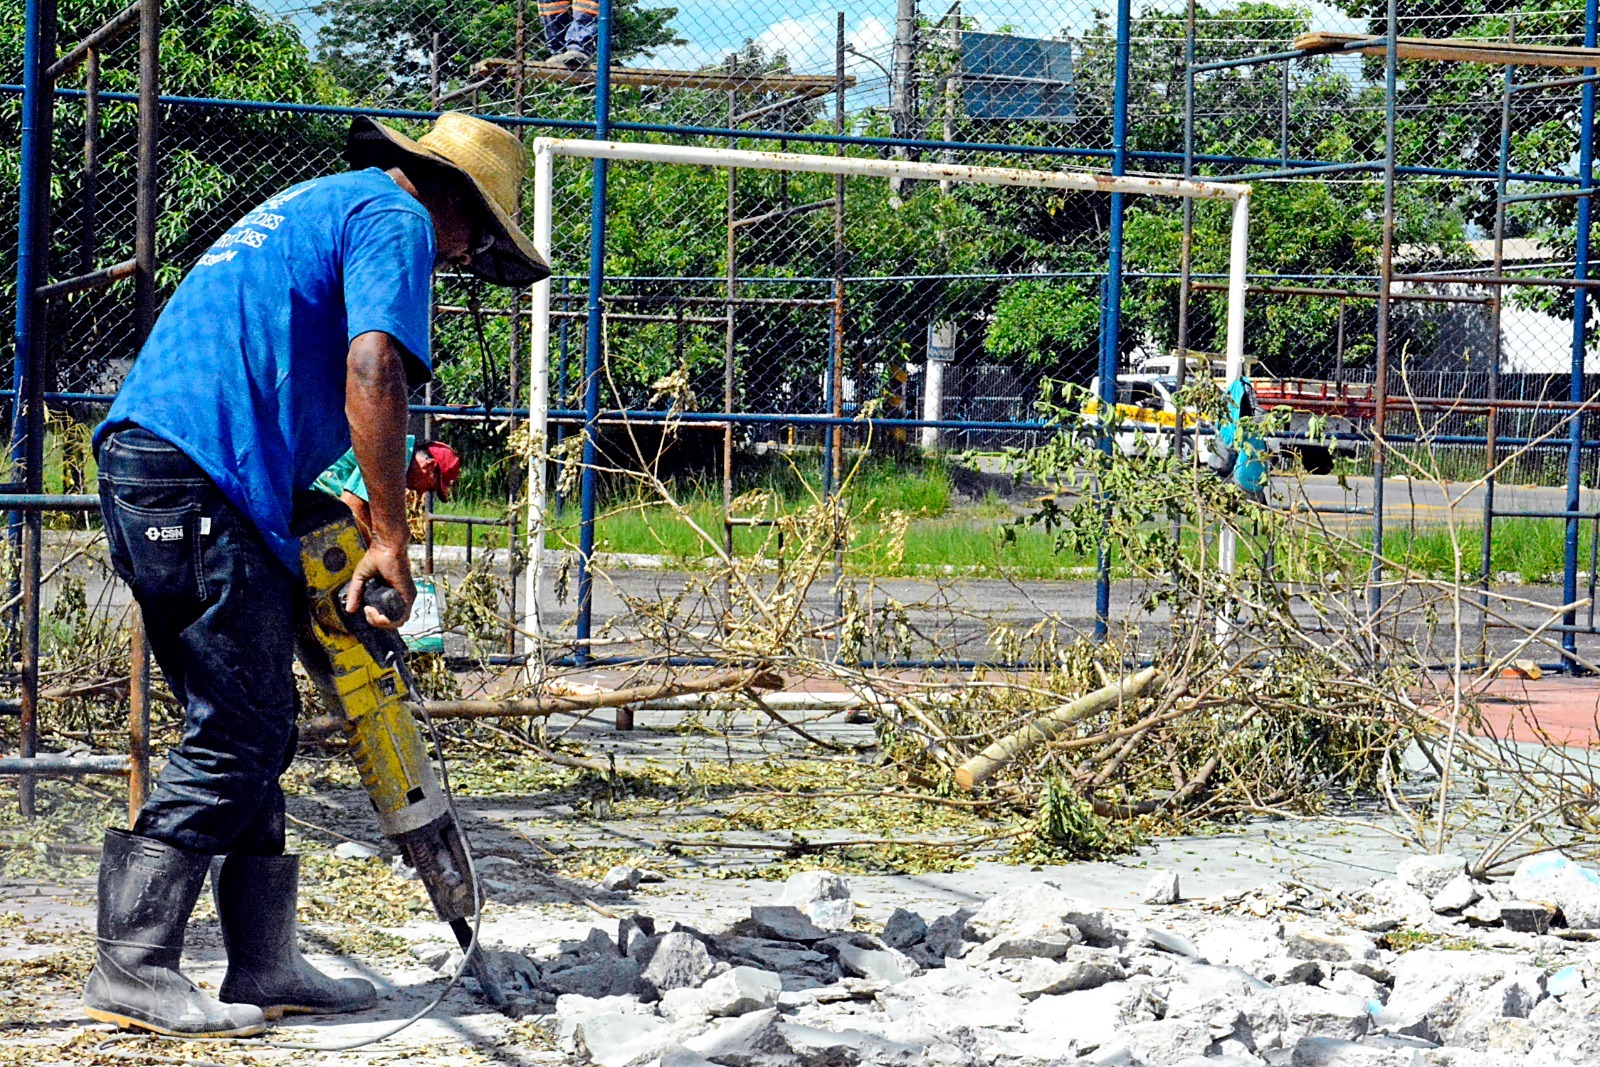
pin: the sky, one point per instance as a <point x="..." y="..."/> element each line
<point x="805" y="30"/>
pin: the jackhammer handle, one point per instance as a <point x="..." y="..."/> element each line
<point x="384" y="598"/>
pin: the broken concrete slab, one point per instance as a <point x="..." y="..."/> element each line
<point x="622" y="1040"/>
<point x="823" y="896"/>
<point x="751" y="1040"/>
<point x="572" y="1007"/>
<point x="1084" y="968"/>
<point x="620" y="879"/>
<point x="680" y="961"/>
<point x="1458" y="894"/>
<point x="946" y="937"/>
<point x="877" y="964"/>
<point x="1527" y="916"/>
<point x="1335" y="948"/>
<point x="1167" y="941"/>
<point x="1552" y="878"/>
<point x="1337" y="1052"/>
<point x="1287" y="970"/>
<point x="904" y="929"/>
<point x="784" y="922"/>
<point x="1429" y="874"/>
<point x="1037" y="907"/>
<point x="1045" y="937"/>
<point x="603" y="978"/>
<point x="1437" y="992"/>
<point x="803" y="888"/>
<point x="739" y="991"/>
<point x="1311" y="1011"/>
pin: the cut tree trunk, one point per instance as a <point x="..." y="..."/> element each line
<point x="1049" y="726"/>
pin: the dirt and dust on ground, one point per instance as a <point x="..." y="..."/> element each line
<point x="728" y="892"/>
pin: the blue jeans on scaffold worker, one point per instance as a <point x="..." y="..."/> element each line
<point x="570" y="25"/>
<point x="220" y="612"/>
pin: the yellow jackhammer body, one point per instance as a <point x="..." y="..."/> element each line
<point x="360" y="671"/>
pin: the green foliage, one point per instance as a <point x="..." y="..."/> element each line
<point x="1067" y="826"/>
<point x="381" y="49"/>
<point x="215" y="165"/>
<point x="1041" y="322"/>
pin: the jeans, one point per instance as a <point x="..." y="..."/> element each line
<point x="221" y="613"/>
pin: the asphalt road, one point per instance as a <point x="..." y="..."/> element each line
<point x="1420" y="503"/>
<point x="954" y="618"/>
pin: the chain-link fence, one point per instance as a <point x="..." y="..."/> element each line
<point x="770" y="295"/>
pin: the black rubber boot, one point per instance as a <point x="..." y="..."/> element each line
<point x="256" y="898"/>
<point x="147" y="890"/>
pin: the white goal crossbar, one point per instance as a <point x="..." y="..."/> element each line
<point x="546" y="149"/>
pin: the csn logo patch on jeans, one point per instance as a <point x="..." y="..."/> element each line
<point x="164" y="533"/>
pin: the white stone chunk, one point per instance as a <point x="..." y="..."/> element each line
<point x="1162" y="888"/>
<point x="1429" y="874"/>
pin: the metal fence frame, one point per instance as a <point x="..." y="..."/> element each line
<point x="42" y="65"/>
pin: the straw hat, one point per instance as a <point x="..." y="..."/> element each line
<point x="491" y="161"/>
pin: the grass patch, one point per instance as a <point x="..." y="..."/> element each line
<point x="1408" y="940"/>
<point x="1534" y="548"/>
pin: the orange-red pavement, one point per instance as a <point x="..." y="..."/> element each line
<point x="1554" y="710"/>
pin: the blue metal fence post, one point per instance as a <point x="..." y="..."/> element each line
<point x="33" y="207"/>
<point x="1580" y="347"/>
<point x="1111" y="337"/>
<point x="27" y="422"/>
<point x="593" y="335"/>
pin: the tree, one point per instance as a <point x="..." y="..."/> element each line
<point x="1452" y="111"/>
<point x="381" y="50"/>
<point x="215" y="164"/>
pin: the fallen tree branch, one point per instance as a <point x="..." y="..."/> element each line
<point x="981" y="768"/>
<point x="753" y="678"/>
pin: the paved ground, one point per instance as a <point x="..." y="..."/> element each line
<point x="954" y="617"/>
<point x="534" y="904"/>
<point x="1426" y="503"/>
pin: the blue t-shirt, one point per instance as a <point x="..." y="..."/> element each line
<point x="245" y="369"/>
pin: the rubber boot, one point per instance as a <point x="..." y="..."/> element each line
<point x="256" y="897"/>
<point x="147" y="890"/>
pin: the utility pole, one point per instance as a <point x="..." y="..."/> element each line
<point x="903" y="88"/>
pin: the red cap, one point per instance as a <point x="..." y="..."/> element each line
<point x="449" y="467"/>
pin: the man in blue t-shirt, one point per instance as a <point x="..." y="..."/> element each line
<point x="296" y="336"/>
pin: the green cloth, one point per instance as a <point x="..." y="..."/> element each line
<point x="345" y="474"/>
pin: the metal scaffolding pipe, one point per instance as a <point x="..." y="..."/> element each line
<point x="113" y="30"/>
<point x="63" y="766"/>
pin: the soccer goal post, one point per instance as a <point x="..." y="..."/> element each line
<point x="546" y="149"/>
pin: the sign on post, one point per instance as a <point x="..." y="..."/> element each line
<point x="424" y="631"/>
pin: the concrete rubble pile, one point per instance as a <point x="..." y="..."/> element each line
<point x="1486" y="974"/>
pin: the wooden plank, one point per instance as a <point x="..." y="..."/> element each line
<point x="1455" y="50"/>
<point x="712" y="80"/>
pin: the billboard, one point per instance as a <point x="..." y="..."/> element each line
<point x="1009" y="77"/>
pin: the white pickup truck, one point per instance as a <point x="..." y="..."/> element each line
<point x="1147" y="417"/>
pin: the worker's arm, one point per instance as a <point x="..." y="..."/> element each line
<point x="375" y="401"/>
<point x="358" y="511"/>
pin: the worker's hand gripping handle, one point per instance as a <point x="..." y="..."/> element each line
<point x="376" y="594"/>
<point x="383" y="598"/>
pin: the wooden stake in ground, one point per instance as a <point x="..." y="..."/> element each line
<point x="1048" y="727"/>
